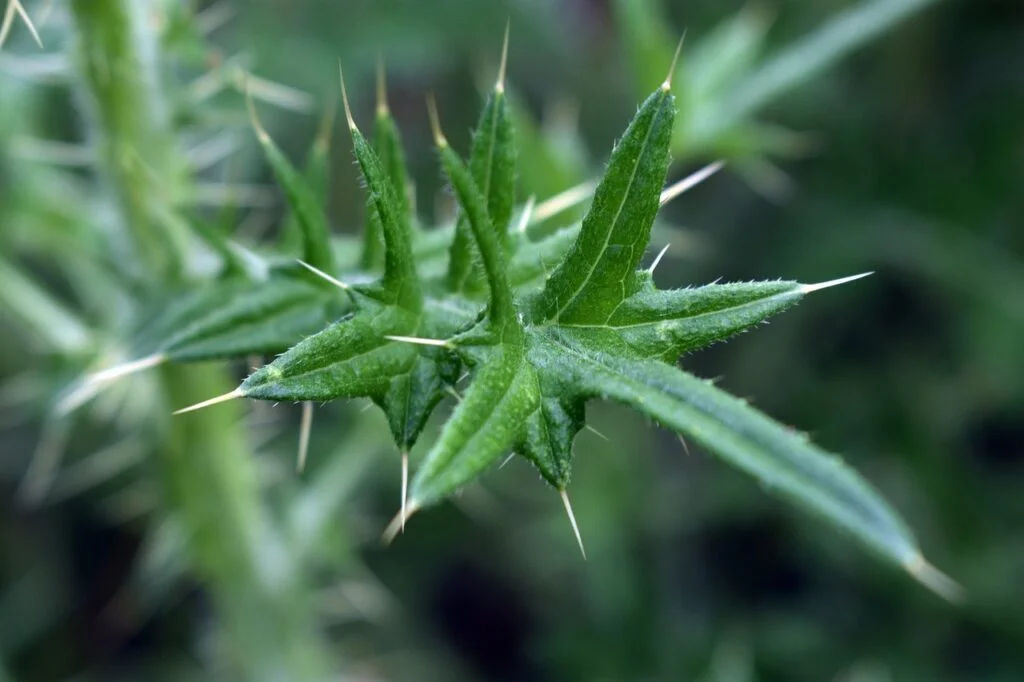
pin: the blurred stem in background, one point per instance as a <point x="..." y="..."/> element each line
<point x="209" y="479"/>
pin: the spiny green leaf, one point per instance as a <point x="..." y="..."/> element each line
<point x="666" y="324"/>
<point x="502" y="310"/>
<point x="598" y="328"/>
<point x="236" y="318"/>
<point x="302" y="200"/>
<point x="783" y="460"/>
<point x="598" y="272"/>
<point x="486" y="423"/>
<point x="549" y="436"/>
<point x="354" y="358"/>
<point x="387" y="142"/>
<point x="351" y="358"/>
<point x="492" y="164"/>
<point x="400" y="282"/>
<point x="412" y="395"/>
<point x="317" y="172"/>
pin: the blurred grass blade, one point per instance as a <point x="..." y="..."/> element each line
<point x="317" y="172"/>
<point x="808" y="57"/>
<point x="647" y="40"/>
<point x="302" y="200"/>
<point x="41" y="314"/>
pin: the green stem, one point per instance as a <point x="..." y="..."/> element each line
<point x="117" y="58"/>
<point x="212" y="485"/>
<point x="208" y="476"/>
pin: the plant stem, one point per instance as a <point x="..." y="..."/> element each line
<point x="117" y="53"/>
<point x="212" y="485"/>
<point x="208" y="476"/>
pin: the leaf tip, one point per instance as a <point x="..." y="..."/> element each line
<point x="231" y="395"/>
<point x="808" y="288"/>
<point x="934" y="579"/>
<point x="435" y="122"/>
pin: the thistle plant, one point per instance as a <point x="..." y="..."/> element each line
<point x="539" y="326"/>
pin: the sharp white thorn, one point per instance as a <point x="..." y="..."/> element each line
<point x="305" y="427"/>
<point x="524" y="217"/>
<point x="690" y="181"/>
<point x="14" y="7"/>
<point x="808" y="288"/>
<point x="657" y="259"/>
<point x="397" y="523"/>
<point x="686" y="448"/>
<point x="405" y="486"/>
<point x="499" y="85"/>
<point x="572" y="520"/>
<point x="278" y="94"/>
<point x="118" y="371"/>
<point x="562" y="201"/>
<point x="508" y="459"/>
<point x="76" y="398"/>
<point x="344" y="99"/>
<point x="382" y="87"/>
<point x="237" y="393"/>
<point x="455" y="394"/>
<point x="323" y="275"/>
<point x="594" y="431"/>
<point x="92" y="383"/>
<point x="435" y="122"/>
<point x="934" y="579"/>
<point x="667" y="85"/>
<point x="419" y="340"/>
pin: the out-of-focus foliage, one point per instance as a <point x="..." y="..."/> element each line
<point x="907" y="161"/>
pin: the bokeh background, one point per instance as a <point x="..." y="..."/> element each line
<point x="882" y="135"/>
